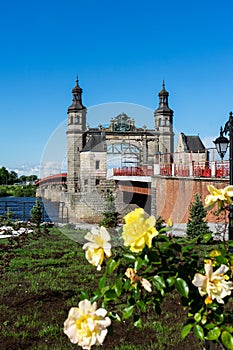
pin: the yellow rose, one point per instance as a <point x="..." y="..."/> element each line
<point x="220" y="196"/>
<point x="139" y="230"/>
<point x="213" y="284"/>
<point x="98" y="246"/>
<point x="87" y="326"/>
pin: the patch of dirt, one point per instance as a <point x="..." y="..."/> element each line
<point x="50" y="301"/>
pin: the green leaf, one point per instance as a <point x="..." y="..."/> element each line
<point x="84" y="295"/>
<point x="185" y="330"/>
<point x="197" y="317"/>
<point x="182" y="287"/>
<point x="158" y="282"/>
<point x="102" y="281"/>
<point x="219" y="318"/>
<point x="213" y="334"/>
<point x="204" y="320"/>
<point x="110" y="295"/>
<point x="127" y="284"/>
<point x="228" y="328"/>
<point x="227" y="340"/>
<point x="198" y="331"/>
<point x="118" y="287"/>
<point x="129" y="256"/>
<point x="112" y="265"/>
<point x="141" y="305"/>
<point x="138" y="323"/>
<point x="97" y="295"/>
<point x="127" y="312"/>
<point x="114" y="316"/>
<point x="171" y="281"/>
<point x="138" y="264"/>
<point x="136" y="293"/>
<point x="148" y="269"/>
<point x="206" y="237"/>
<point x="221" y="259"/>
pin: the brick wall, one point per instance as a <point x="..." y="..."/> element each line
<point x="174" y="195"/>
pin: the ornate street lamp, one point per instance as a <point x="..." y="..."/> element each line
<point x="221" y="144"/>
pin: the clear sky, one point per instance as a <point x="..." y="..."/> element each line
<point x="121" y="51"/>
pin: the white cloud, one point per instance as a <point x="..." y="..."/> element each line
<point x="26" y="169"/>
<point x="51" y="168"/>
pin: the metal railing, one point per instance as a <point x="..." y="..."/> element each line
<point x="214" y="169"/>
<point x="134" y="171"/>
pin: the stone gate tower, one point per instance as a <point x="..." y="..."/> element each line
<point x="94" y="152"/>
<point x="75" y="130"/>
<point x="163" y="117"/>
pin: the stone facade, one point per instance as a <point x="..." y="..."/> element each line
<point x="91" y="152"/>
<point x="190" y="149"/>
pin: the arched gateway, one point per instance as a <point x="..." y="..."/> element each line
<point x="93" y="152"/>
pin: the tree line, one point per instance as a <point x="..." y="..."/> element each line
<point x="11" y="177"/>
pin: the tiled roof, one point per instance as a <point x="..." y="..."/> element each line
<point x="95" y="144"/>
<point x="193" y="143"/>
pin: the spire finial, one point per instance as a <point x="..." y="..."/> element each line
<point x="163" y="85"/>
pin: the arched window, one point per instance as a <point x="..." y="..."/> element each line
<point x="122" y="154"/>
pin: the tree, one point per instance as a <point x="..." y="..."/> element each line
<point x="23" y="178"/>
<point x="4" y="176"/>
<point x="109" y="214"/>
<point x="12" y="177"/>
<point x="197" y="226"/>
<point x="36" y="213"/>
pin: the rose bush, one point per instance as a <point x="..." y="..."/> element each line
<point x="149" y="264"/>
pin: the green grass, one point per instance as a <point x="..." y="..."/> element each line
<point x="45" y="278"/>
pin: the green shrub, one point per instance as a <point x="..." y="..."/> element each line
<point x="197" y="226"/>
<point x="36" y="213"/>
<point x="110" y="215"/>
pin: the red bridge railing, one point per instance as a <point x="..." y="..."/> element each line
<point x="217" y="169"/>
<point x="58" y="179"/>
<point x="134" y="171"/>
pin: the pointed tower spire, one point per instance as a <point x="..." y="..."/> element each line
<point x="163" y="96"/>
<point x="163" y="117"/>
<point x="77" y="97"/>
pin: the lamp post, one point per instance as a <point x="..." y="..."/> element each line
<point x="221" y="144"/>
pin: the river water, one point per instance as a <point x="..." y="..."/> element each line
<point x="20" y="208"/>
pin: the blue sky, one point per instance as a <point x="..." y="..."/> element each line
<point x="121" y="51"/>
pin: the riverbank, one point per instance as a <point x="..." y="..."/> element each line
<point x="18" y="190"/>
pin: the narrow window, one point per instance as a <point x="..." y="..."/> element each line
<point x="97" y="164"/>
